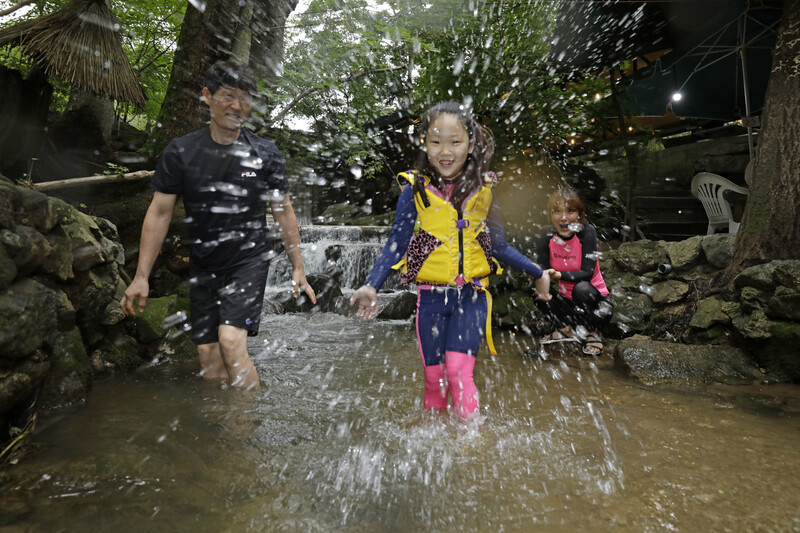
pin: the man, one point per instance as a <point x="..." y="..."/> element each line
<point x="225" y="175"/>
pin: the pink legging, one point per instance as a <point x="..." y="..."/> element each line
<point x="455" y="377"/>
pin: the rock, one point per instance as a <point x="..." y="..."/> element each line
<point x="327" y="291"/>
<point x="682" y="365"/>
<point x="709" y="312"/>
<point x="112" y="314"/>
<point x="402" y="306"/>
<point x="90" y="293"/>
<point x="177" y="348"/>
<point x="19" y="382"/>
<point x="8" y="197"/>
<point x="65" y="311"/>
<point x="33" y="250"/>
<point x="755" y="326"/>
<point x="786" y="272"/>
<point x="8" y="269"/>
<point x="70" y="370"/>
<point x="83" y="233"/>
<point x="38" y="210"/>
<point x="121" y="352"/>
<point x="758" y="276"/>
<point x="59" y="261"/>
<point x="631" y="311"/>
<point x="514" y="308"/>
<point x="641" y="256"/>
<point x="669" y="291"/>
<point x="685" y="254"/>
<point x="718" y="249"/>
<point x="785" y="304"/>
<point x="26" y="317"/>
<point x="150" y="323"/>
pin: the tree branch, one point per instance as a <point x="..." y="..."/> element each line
<point x="91" y="180"/>
<point x="309" y="91"/>
<point x="18" y="5"/>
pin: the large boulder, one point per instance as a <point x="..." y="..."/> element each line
<point x="682" y="365"/>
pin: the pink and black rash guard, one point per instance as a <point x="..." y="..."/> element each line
<point x="575" y="257"/>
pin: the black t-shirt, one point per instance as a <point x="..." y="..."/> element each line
<point x="225" y="189"/>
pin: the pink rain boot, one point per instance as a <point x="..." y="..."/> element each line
<point x="462" y="387"/>
<point x="435" y="388"/>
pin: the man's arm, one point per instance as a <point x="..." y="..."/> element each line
<point x="154" y="231"/>
<point x="283" y="212"/>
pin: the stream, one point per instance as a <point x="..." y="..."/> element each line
<point x="335" y="439"/>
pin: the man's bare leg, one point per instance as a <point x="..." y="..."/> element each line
<point x="211" y="364"/>
<point x="233" y="347"/>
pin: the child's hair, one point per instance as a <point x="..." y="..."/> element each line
<point x="231" y="74"/>
<point x="477" y="164"/>
<point x="571" y="198"/>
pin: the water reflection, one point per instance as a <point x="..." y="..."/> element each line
<point x="335" y="440"/>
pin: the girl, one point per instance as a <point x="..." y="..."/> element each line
<point x="446" y="231"/>
<point x="569" y="254"/>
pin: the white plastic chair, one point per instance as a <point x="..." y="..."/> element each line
<point x="709" y="189"/>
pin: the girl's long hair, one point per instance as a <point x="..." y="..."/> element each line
<point x="477" y="163"/>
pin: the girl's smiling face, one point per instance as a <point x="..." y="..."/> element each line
<point x="448" y="144"/>
<point x="564" y="216"/>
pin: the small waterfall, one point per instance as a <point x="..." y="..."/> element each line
<point x="351" y="250"/>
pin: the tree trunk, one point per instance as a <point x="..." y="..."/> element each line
<point x="771" y="223"/>
<point x="266" y="50"/>
<point x="206" y="36"/>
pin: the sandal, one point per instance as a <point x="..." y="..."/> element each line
<point x="593" y="345"/>
<point x="559" y="335"/>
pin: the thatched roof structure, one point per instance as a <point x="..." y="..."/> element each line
<point x="80" y="43"/>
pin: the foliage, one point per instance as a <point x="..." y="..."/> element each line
<point x="149" y="32"/>
<point x="490" y="55"/>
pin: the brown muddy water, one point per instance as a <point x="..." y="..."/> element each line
<point x="335" y="440"/>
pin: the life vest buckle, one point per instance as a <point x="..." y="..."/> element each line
<point x="462" y="223"/>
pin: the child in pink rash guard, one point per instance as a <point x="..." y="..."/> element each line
<point x="568" y="252"/>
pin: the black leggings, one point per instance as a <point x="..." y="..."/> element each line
<point x="587" y="308"/>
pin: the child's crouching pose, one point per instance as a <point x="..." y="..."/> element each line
<point x="445" y="233"/>
<point x="568" y="252"/>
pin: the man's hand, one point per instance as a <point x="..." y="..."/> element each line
<point x="543" y="287"/>
<point x="367" y="298"/>
<point x="137" y="290"/>
<point x="299" y="283"/>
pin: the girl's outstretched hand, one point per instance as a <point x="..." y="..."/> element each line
<point x="367" y="298"/>
<point x="543" y="287"/>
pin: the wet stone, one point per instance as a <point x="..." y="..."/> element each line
<point x="669" y="291"/>
<point x="685" y="254"/>
<point x="709" y="313"/>
<point x="682" y="365"/>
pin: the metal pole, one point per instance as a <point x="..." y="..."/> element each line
<point x="745" y="84"/>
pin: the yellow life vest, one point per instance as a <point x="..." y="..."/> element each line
<point x="451" y="247"/>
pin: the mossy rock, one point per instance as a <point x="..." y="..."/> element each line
<point x="150" y="323"/>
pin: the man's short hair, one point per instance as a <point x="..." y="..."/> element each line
<point x="230" y="74"/>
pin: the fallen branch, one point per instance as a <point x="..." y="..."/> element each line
<point x="311" y="90"/>
<point x="93" y="180"/>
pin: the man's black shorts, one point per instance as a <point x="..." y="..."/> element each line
<point x="232" y="297"/>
